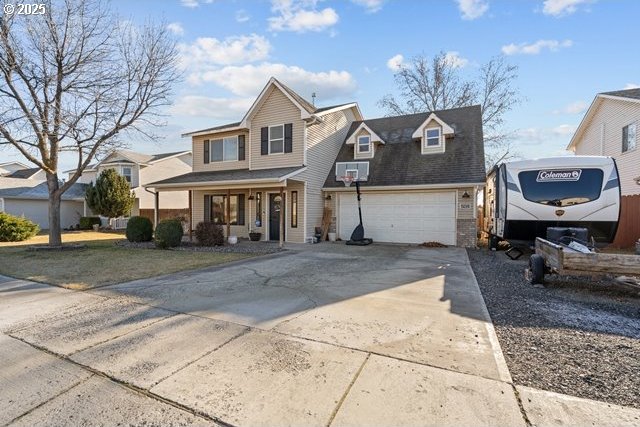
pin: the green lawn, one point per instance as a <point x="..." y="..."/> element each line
<point x="101" y="263"/>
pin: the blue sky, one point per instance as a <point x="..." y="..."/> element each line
<point x="566" y="51"/>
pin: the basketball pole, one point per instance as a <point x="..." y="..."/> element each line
<point x="358" y="193"/>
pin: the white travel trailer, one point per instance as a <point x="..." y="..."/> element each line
<point x="523" y="198"/>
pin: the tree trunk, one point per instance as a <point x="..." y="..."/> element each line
<point x="55" y="236"/>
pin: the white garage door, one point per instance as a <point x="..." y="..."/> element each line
<point x="410" y="217"/>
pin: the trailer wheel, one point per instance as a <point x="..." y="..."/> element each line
<point x="493" y="242"/>
<point x="536" y="269"/>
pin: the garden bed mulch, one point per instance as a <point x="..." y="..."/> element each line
<point x="242" y="247"/>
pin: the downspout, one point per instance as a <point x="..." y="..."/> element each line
<point x="156" y="195"/>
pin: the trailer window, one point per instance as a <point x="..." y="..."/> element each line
<point x="559" y="192"/>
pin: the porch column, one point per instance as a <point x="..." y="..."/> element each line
<point x="191" y="216"/>
<point x="282" y="205"/>
<point x="228" y="209"/>
<point x="156" y="209"/>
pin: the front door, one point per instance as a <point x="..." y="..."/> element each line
<point x="276" y="207"/>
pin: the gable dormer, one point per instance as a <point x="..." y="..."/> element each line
<point x="364" y="140"/>
<point x="432" y="134"/>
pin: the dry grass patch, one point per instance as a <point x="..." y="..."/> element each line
<point x="67" y="237"/>
<point x="102" y="263"/>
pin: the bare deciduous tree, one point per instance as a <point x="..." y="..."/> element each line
<point x="429" y="84"/>
<point x="76" y="79"/>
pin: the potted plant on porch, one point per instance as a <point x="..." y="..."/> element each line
<point x="254" y="236"/>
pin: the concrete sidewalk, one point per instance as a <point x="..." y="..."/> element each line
<point x="330" y="336"/>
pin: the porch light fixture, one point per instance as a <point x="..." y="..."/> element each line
<point x="328" y="197"/>
<point x="250" y="195"/>
<point x="465" y="195"/>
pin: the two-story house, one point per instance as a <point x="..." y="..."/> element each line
<point x="611" y="127"/>
<point x="140" y="169"/>
<point x="275" y="159"/>
<point x="423" y="171"/>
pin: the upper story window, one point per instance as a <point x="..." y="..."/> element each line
<point x="276" y="139"/>
<point x="629" y="138"/>
<point x="432" y="137"/>
<point x="364" y="144"/>
<point x="126" y="173"/>
<point x="225" y="149"/>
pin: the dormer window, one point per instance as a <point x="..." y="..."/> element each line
<point x="364" y="144"/>
<point x="432" y="137"/>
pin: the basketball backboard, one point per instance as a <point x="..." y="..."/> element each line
<point x="359" y="171"/>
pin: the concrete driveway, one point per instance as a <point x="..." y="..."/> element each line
<point x="323" y="335"/>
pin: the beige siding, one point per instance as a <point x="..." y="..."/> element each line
<point x="323" y="141"/>
<point x="466" y="206"/>
<point x="135" y="172"/>
<point x="198" y="153"/>
<point x="614" y="115"/>
<point x="38" y="211"/>
<point x="295" y="234"/>
<point x="162" y="170"/>
<point x="277" y="109"/>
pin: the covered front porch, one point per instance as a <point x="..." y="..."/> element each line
<point x="251" y="203"/>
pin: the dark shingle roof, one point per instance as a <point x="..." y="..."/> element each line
<point x="400" y="161"/>
<point x="156" y="157"/>
<point x="24" y="173"/>
<point x="627" y="93"/>
<point x="41" y="191"/>
<point x="330" y="107"/>
<point x="228" y="175"/>
<point x="228" y="125"/>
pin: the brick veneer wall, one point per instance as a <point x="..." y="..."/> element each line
<point x="467" y="233"/>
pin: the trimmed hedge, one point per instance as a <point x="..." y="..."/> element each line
<point x="87" y="222"/>
<point x="209" y="234"/>
<point x="16" y="229"/>
<point x="168" y="233"/>
<point x="139" y="229"/>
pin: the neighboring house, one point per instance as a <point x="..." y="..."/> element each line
<point x="424" y="174"/>
<point x="611" y="127"/>
<point x="30" y="199"/>
<point x="140" y="169"/>
<point x="7" y="168"/>
<point x="279" y="155"/>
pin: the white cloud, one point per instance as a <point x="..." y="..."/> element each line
<point x="242" y="16"/>
<point x="535" y="48"/>
<point x="215" y="108"/>
<point x="455" y="60"/>
<point x="573" y="108"/>
<point x="176" y="28"/>
<point x="248" y="80"/>
<point x="372" y="6"/>
<point x="535" y="136"/>
<point x="564" y="130"/>
<point x="301" y="16"/>
<point x="395" y="63"/>
<point x="559" y="8"/>
<point x="194" y="3"/>
<point x="632" y="86"/>
<point x="472" y="9"/>
<point x="207" y="52"/>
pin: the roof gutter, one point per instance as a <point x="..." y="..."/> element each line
<point x="408" y="187"/>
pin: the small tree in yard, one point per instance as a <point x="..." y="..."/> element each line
<point x="78" y="79"/>
<point x="111" y="195"/>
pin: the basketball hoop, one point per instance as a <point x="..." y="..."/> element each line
<point x="347" y="179"/>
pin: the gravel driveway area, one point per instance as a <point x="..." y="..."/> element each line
<point x="572" y="336"/>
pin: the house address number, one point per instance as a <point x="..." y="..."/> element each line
<point x="465" y="205"/>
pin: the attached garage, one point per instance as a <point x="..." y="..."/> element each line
<point x="400" y="217"/>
